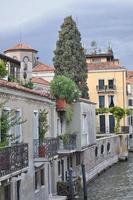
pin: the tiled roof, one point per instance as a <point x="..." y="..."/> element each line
<point x="40" y="81"/>
<point x="16" y="86"/>
<point x="130" y="74"/>
<point x="20" y="46"/>
<point x="41" y="67"/>
<point x="104" y="66"/>
<point x="130" y="77"/>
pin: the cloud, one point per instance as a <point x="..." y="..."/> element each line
<point x="105" y="21"/>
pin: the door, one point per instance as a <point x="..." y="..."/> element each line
<point x="102" y="123"/>
<point x="7" y="192"/>
<point x="111" y="123"/>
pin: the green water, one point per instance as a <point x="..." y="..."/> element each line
<point x="116" y="183"/>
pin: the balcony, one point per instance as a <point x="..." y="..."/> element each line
<point x="111" y="88"/>
<point x="67" y="143"/>
<point x="101" y="89"/>
<point x="13" y="159"/>
<point x="48" y="149"/>
<point x="106" y="89"/>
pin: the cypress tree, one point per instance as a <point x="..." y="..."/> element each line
<point x="69" y="56"/>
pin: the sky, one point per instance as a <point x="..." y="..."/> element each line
<point x="37" y="22"/>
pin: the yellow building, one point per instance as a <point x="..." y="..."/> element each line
<point x="107" y="86"/>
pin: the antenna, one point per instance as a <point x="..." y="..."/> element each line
<point x="20" y="33"/>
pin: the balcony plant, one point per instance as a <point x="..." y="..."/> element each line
<point x="64" y="90"/>
<point x="43" y="128"/>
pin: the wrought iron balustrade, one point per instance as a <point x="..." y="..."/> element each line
<point x="100" y="89"/>
<point x="110" y="88"/>
<point x="50" y="145"/>
<point x="13" y="159"/>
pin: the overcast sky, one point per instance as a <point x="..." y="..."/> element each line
<point x="37" y="22"/>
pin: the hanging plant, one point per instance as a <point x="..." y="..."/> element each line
<point x="68" y="113"/>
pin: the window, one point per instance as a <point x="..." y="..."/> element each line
<point x="39" y="178"/>
<point x="111" y="84"/>
<point x="84" y="124"/>
<point x="77" y="159"/>
<point x="102" y="149"/>
<point x="130" y="102"/>
<point x="5" y="131"/>
<point x="101" y="101"/>
<point x="36" y="180"/>
<point x="35" y="125"/>
<point x="102" y="123"/>
<point x="42" y="176"/>
<point x="111" y="101"/>
<point x="101" y="84"/>
<point x="71" y="161"/>
<point x="16" y="130"/>
<point x="18" y="189"/>
<point x="108" y="147"/>
<point x="96" y="151"/>
<point x="59" y="168"/>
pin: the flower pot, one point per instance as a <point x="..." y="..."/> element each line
<point x="61" y="104"/>
<point x="41" y="151"/>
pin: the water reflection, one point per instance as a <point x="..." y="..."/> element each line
<point x="114" y="184"/>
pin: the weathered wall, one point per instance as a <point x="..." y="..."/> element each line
<point x="109" y="151"/>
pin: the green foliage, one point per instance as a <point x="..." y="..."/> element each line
<point x="69" y="57"/>
<point x="29" y="85"/>
<point x="8" y="119"/>
<point x="68" y="114"/>
<point x="117" y="112"/>
<point x="65" y="138"/>
<point x="43" y="124"/>
<point x="3" y="71"/>
<point x="62" y="87"/>
<point x="102" y="110"/>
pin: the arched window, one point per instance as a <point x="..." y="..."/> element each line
<point x="102" y="149"/>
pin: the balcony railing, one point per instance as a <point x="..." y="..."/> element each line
<point x="13" y="159"/>
<point x="106" y="88"/>
<point x="67" y="143"/>
<point x="111" y="88"/>
<point x="100" y="89"/>
<point x="47" y="149"/>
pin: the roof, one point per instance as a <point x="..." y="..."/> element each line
<point x="130" y="74"/>
<point x="20" y="46"/>
<point x="7" y="58"/>
<point x="104" y="66"/>
<point x="39" y="81"/>
<point x="41" y="67"/>
<point x="130" y="77"/>
<point x="18" y="87"/>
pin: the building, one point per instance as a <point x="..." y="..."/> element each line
<point x="44" y="71"/>
<point x="130" y="98"/>
<point x="27" y="56"/>
<point x="107" y="86"/>
<point x="12" y="66"/>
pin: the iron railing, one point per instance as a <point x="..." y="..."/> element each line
<point x="50" y="145"/>
<point x="13" y="158"/>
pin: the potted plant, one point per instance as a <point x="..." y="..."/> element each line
<point x="64" y="90"/>
<point x="43" y="128"/>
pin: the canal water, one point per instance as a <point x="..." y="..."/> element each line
<point x="116" y="183"/>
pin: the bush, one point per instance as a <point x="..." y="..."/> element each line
<point x="64" y="88"/>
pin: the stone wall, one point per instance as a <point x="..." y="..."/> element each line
<point x="106" y="152"/>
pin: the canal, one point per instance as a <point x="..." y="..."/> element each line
<point x="116" y="183"/>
